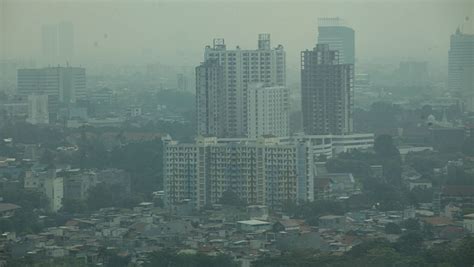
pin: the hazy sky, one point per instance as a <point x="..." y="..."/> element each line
<point x="175" y="32"/>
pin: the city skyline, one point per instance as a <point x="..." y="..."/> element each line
<point x="102" y="43"/>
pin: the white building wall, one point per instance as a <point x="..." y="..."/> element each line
<point x="38" y="109"/>
<point x="268" y="110"/>
<point x="242" y="67"/>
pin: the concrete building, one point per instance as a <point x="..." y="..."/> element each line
<point x="48" y="183"/>
<point x="335" y="33"/>
<point x="62" y="85"/>
<point x="327" y="92"/>
<point x="38" y="109"/>
<point x="77" y="184"/>
<point x="262" y="171"/>
<point x="240" y="68"/>
<point x="461" y="67"/>
<point x="210" y="99"/>
<point x="268" y="110"/>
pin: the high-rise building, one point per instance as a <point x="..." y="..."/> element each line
<point x="461" y="67"/>
<point x="335" y="33"/>
<point x="61" y="84"/>
<point x="58" y="43"/>
<point x="326" y="91"/>
<point x="268" y="110"/>
<point x="46" y="182"/>
<point x="210" y="99"/>
<point x="38" y="112"/>
<point x="242" y="67"/>
<point x="262" y="171"/>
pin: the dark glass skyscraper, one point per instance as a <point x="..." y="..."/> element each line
<point x="333" y="32"/>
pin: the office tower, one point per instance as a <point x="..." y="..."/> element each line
<point x="326" y="91"/>
<point x="62" y="85"/>
<point x="241" y="67"/>
<point x="338" y="36"/>
<point x="38" y="109"/>
<point x="262" y="171"/>
<point x="58" y="43"/>
<point x="461" y="67"/>
<point x="210" y="99"/>
<point x="268" y="110"/>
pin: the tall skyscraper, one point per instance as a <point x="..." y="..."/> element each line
<point x="241" y="67"/>
<point x="461" y="67"/>
<point x="338" y="36"/>
<point x="61" y="84"/>
<point x="58" y="43"/>
<point x="268" y="110"/>
<point x="38" y="109"/>
<point x="210" y="99"/>
<point x="326" y="91"/>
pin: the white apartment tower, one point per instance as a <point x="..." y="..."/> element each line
<point x="38" y="109"/>
<point x="268" y="110"/>
<point x="262" y="171"/>
<point x="240" y="68"/>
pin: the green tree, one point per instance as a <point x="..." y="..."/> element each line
<point x="74" y="206"/>
<point x="385" y="148"/>
<point x="392" y="228"/>
<point x="410" y="243"/>
<point x="170" y="258"/>
<point x="231" y="198"/>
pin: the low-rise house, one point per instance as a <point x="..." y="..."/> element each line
<point x="335" y="222"/>
<point x="8" y="209"/>
<point x="463" y="196"/>
<point x="254" y="225"/>
<point x="419" y="184"/>
<point x="287" y="225"/>
<point x="334" y="185"/>
<point x="468" y="222"/>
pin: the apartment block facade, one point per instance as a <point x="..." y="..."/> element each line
<point x="240" y="68"/>
<point x="262" y="171"/>
<point x="327" y="92"/>
<point x="268" y="110"/>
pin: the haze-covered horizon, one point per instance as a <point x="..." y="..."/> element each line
<point x="175" y="33"/>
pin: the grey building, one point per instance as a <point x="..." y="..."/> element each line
<point x="327" y="92"/>
<point x="63" y="85"/>
<point x="210" y="97"/>
<point x="461" y="66"/>
<point x="58" y="42"/>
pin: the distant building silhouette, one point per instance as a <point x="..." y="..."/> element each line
<point x="63" y="85"/>
<point x="338" y="36"/>
<point x="461" y="67"/>
<point x="58" y="43"/>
